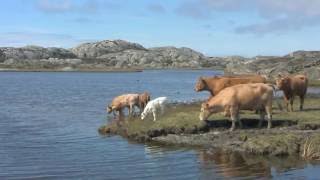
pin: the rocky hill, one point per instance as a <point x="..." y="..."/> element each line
<point x="295" y="62"/>
<point x="103" y="55"/>
<point x="120" y="54"/>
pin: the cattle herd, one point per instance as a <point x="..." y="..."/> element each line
<point x="228" y="94"/>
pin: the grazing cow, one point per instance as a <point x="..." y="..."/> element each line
<point x="153" y="107"/>
<point x="215" y="84"/>
<point x="255" y="96"/>
<point x="293" y="86"/>
<point x="144" y="98"/>
<point x="122" y="101"/>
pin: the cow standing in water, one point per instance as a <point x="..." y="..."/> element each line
<point x="293" y="86"/>
<point x="215" y="84"/>
<point x="231" y="100"/>
<point x="123" y="101"/>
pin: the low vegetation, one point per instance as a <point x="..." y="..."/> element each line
<point x="314" y="83"/>
<point x="292" y="132"/>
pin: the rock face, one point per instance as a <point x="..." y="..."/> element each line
<point x="122" y="54"/>
<point x="97" y="49"/>
<point x="106" y="54"/>
<point x="36" y="52"/>
<point x="296" y="62"/>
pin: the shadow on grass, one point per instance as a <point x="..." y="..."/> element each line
<point x="248" y="123"/>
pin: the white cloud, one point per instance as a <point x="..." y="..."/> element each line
<point x="65" y="6"/>
<point x="157" y="8"/>
<point x="278" y="15"/>
<point x="18" y="39"/>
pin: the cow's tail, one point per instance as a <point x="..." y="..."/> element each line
<point x="275" y="90"/>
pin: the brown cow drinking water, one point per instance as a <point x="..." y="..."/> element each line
<point x="231" y="100"/>
<point x="123" y="101"/>
<point x="215" y="84"/>
<point x="293" y="86"/>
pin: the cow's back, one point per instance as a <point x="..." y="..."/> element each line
<point x="247" y="96"/>
<point x="225" y="82"/>
<point x="299" y="84"/>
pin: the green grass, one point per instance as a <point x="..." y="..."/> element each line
<point x="185" y="118"/>
<point x="314" y="83"/>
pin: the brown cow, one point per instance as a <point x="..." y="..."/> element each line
<point x="293" y="86"/>
<point x="215" y="84"/>
<point x="255" y="96"/>
<point x="144" y="98"/>
<point x="122" y="101"/>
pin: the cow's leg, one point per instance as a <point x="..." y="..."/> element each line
<point x="301" y="102"/>
<point x="269" y="114"/>
<point x="286" y="101"/>
<point x="141" y="107"/>
<point x="130" y="109"/>
<point x="114" y="114"/>
<point x="234" y="116"/>
<point x="154" y="115"/>
<point x="262" y="115"/>
<point x="291" y="103"/>
<point x="120" y="115"/>
<point x="239" y="120"/>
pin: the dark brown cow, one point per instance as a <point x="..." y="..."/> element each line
<point x="215" y="84"/>
<point x="293" y="86"/>
<point x="144" y="98"/>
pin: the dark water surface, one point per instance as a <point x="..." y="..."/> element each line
<point x="49" y="121"/>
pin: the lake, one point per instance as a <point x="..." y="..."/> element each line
<point x="49" y="122"/>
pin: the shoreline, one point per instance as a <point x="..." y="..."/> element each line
<point x="72" y="70"/>
<point x="296" y="133"/>
<point x="104" y="70"/>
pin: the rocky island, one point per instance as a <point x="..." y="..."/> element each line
<point x="115" y="55"/>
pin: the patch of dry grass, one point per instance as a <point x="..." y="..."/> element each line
<point x="311" y="148"/>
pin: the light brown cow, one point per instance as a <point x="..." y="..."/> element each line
<point x="122" y="101"/>
<point x="293" y="86"/>
<point x="215" y="84"/>
<point x="231" y="100"/>
<point x="144" y="98"/>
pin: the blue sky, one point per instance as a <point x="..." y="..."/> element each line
<point x="213" y="27"/>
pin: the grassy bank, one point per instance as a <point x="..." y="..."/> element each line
<point x="314" y="83"/>
<point x="181" y="125"/>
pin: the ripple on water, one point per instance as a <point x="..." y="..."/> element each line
<point x="49" y="124"/>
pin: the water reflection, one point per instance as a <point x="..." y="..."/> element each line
<point x="230" y="164"/>
<point x="222" y="164"/>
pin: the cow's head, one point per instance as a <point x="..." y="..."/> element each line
<point x="282" y="81"/>
<point x="109" y="109"/>
<point x="204" y="112"/>
<point x="200" y="85"/>
<point x="143" y="115"/>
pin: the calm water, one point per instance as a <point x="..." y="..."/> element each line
<point x="49" y="121"/>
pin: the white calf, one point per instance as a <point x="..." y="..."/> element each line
<point x="153" y="106"/>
